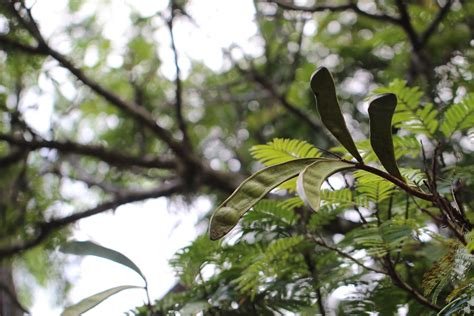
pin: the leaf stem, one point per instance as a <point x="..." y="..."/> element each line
<point x="401" y="184"/>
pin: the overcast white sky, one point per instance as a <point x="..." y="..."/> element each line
<point x="145" y="232"/>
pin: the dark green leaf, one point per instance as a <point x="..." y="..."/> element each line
<point x="252" y="190"/>
<point x="323" y="88"/>
<point x="381" y="110"/>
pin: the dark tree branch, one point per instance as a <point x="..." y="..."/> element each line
<point x="137" y="112"/>
<point x="92" y="182"/>
<point x="13" y="157"/>
<point x="9" y="44"/>
<point x="45" y="229"/>
<point x="398" y="281"/>
<point x="351" y="5"/>
<point x="5" y="289"/>
<point x="405" y="23"/>
<point x="425" y="36"/>
<point x="257" y="78"/>
<point x="99" y="152"/>
<point x="178" y="84"/>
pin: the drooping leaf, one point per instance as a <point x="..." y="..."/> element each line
<point x="313" y="176"/>
<point x="323" y="88"/>
<point x="94" y="300"/>
<point x="411" y="114"/>
<point x="252" y="190"/>
<point x="381" y="110"/>
<point x="87" y="248"/>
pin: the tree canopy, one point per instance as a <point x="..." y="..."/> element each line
<point x="370" y="99"/>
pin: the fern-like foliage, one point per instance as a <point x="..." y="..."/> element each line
<point x="410" y="114"/>
<point x="189" y="260"/>
<point x="372" y="186"/>
<point x="280" y="150"/>
<point x="269" y="216"/>
<point x="403" y="146"/>
<point x="344" y="197"/>
<point x="459" y="117"/>
<point x="267" y="265"/>
<point x="448" y="272"/>
<point x="378" y="241"/>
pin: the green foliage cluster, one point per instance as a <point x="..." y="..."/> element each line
<point x="392" y="231"/>
<point x="280" y="260"/>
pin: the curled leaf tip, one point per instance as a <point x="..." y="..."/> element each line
<point x="381" y="109"/>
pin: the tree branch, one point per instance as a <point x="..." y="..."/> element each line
<point x="252" y="74"/>
<point x="425" y="36"/>
<point x="7" y="43"/>
<point x="405" y="23"/>
<point x="45" y="229"/>
<point x="12" y="157"/>
<point x="137" y="112"/>
<point x="4" y="288"/>
<point x="95" y="151"/>
<point x="178" y="84"/>
<point x="398" y="281"/>
<point x="351" y="5"/>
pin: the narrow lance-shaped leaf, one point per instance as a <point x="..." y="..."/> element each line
<point x="312" y="177"/>
<point x="381" y="110"/>
<point x="87" y="248"/>
<point x="323" y="88"/>
<point x="252" y="190"/>
<point x="94" y="300"/>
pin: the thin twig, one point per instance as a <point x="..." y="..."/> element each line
<point x="178" y="84"/>
<point x="322" y="243"/>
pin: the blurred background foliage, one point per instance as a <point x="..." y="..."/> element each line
<point x="126" y="130"/>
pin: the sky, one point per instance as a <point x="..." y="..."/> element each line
<point x="149" y="232"/>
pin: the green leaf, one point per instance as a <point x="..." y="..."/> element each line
<point x="313" y="176"/>
<point x="252" y="190"/>
<point x="381" y="110"/>
<point x="87" y="248"/>
<point x="411" y="115"/>
<point x="281" y="150"/>
<point x="94" y="300"/>
<point x="459" y="116"/>
<point x="323" y="88"/>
